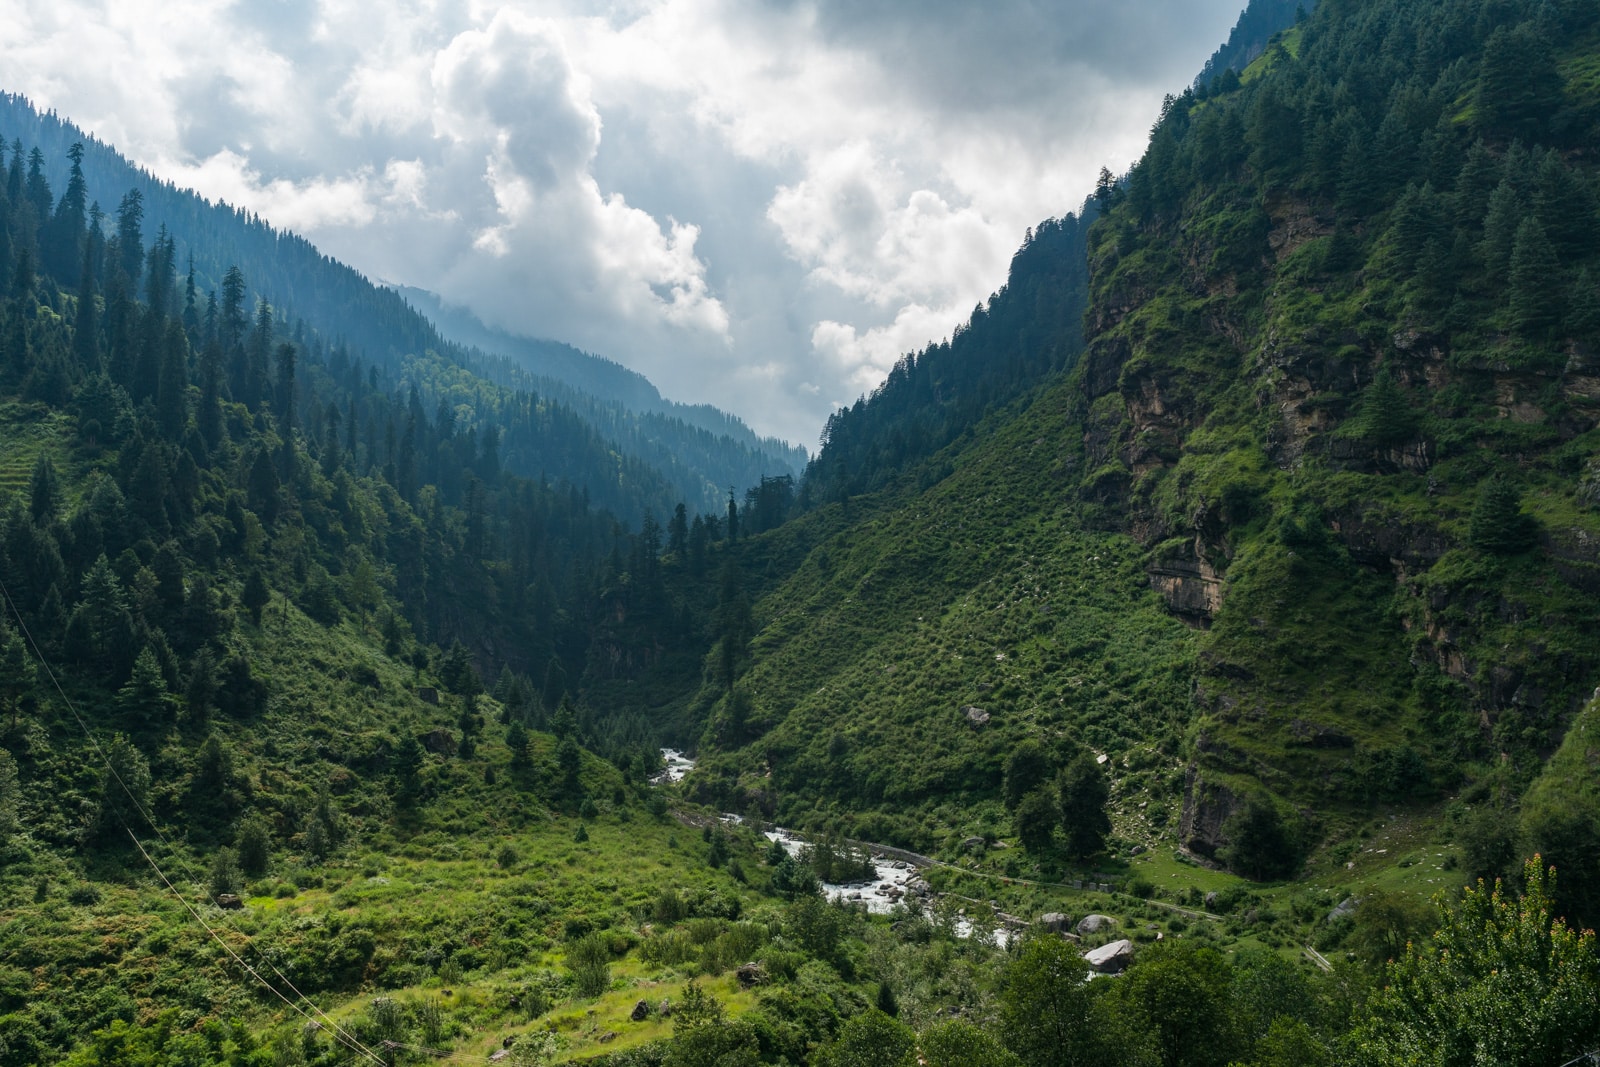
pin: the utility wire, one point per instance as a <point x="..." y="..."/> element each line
<point x="343" y="1036"/>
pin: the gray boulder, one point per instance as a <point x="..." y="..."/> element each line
<point x="1111" y="958"/>
<point x="1093" y="924"/>
<point x="1346" y="908"/>
<point x="1055" y="922"/>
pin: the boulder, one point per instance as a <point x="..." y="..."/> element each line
<point x="641" y="1011"/>
<point x="751" y="974"/>
<point x="976" y="716"/>
<point x="1346" y="908"/>
<point x="1055" y="922"/>
<point x="1093" y="924"/>
<point x="973" y="844"/>
<point x="1211" y="899"/>
<point x="1112" y="958"/>
<point x="229" y="902"/>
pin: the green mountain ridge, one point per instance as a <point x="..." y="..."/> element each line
<point x="638" y="454"/>
<point x="1337" y="391"/>
<point x="1226" y="583"/>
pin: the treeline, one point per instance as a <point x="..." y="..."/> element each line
<point x="1029" y="328"/>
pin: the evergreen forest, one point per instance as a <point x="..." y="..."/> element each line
<point x="1205" y="631"/>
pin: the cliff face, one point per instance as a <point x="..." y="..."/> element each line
<point x="1351" y="423"/>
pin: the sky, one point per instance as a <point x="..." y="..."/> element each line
<point x="759" y="204"/>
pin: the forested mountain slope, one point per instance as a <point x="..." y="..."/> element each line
<point x="628" y="456"/>
<point x="1336" y="409"/>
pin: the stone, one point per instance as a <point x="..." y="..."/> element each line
<point x="751" y="974"/>
<point x="641" y="1011"/>
<point x="229" y="902"/>
<point x="1093" y="924"/>
<point x="972" y="844"/>
<point x="1346" y="908"/>
<point x="1111" y="958"/>
<point x="1055" y="921"/>
<point x="1211" y="899"/>
<point x="607" y="1037"/>
<point x="499" y="1054"/>
<point x="975" y="715"/>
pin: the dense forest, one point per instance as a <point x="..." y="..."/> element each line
<point x="614" y="428"/>
<point x="1219" y="594"/>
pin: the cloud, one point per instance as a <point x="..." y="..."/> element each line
<point x="758" y="203"/>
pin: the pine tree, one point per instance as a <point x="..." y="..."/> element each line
<point x="172" y="388"/>
<point x="130" y="237"/>
<point x="1499" y="526"/>
<point x="1519" y="87"/>
<point x="1387" y="418"/>
<point x="44" y="491"/>
<point x="208" y="417"/>
<point x="255" y="594"/>
<point x="1583" y="309"/>
<point x="1535" y="295"/>
<point x="1500" y="224"/>
<point x="144" y="699"/>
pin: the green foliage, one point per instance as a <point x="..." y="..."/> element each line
<point x="1036" y="819"/>
<point x="1177" y="998"/>
<point x="871" y="1039"/>
<point x="1027" y="768"/>
<point x="1084" y="792"/>
<point x="1503" y="981"/>
<point x="1261" y="842"/>
<point x="1386" y="925"/>
<point x="589" y="960"/>
<point x="1560" y="820"/>
<point x="1387" y="418"/>
<point x="1045" y="1006"/>
<point x="1499" y="525"/>
<point x="958" y="1043"/>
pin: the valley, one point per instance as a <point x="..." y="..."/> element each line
<point x="1214" y="610"/>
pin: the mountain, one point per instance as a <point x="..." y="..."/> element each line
<point x="640" y="453"/>
<point x="1258" y="24"/>
<point x="1227" y="581"/>
<point x="1304" y="533"/>
<point x="693" y="444"/>
<point x="556" y="367"/>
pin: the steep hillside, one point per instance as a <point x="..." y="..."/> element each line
<point x="1336" y="410"/>
<point x="256" y="806"/>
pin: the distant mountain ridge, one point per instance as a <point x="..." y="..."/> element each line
<point x="695" y="452"/>
<point x="576" y="377"/>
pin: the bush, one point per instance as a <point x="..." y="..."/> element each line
<point x="589" y="960"/>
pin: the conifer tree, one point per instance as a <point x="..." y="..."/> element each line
<point x="1498" y="525"/>
<point x="1500" y="224"/>
<point x="1535" y="295"/>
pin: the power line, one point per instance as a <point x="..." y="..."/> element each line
<point x="341" y="1035"/>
